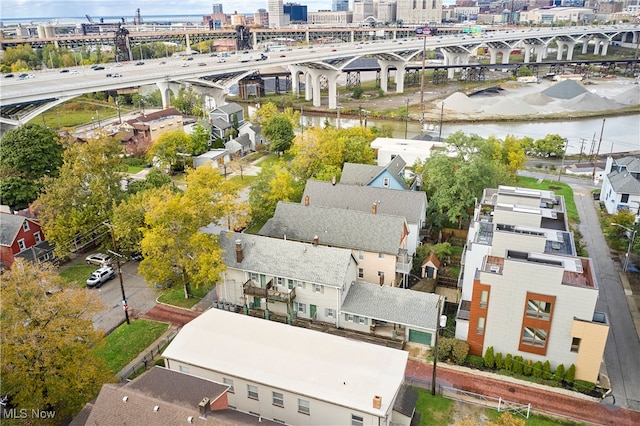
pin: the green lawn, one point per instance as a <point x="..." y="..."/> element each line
<point x="559" y="188"/>
<point x="175" y="297"/>
<point x="128" y="341"/>
<point x="135" y="169"/>
<point x="78" y="274"/>
<point x="273" y="158"/>
<point x="243" y="182"/>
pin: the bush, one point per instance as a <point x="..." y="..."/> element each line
<point x="583" y="386"/>
<point x="489" y="358"/>
<point x="559" y="374"/>
<point x="499" y="361"/>
<point x="508" y="362"/>
<point x="527" y="368"/>
<point x="537" y="369"/>
<point x="546" y="370"/>
<point x="475" y="361"/>
<point x="570" y="375"/>
<point x="459" y="351"/>
<point x="518" y="362"/>
<point x="445" y="345"/>
<point x="357" y="92"/>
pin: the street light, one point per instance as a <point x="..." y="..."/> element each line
<point x="441" y="323"/>
<point x="125" y="305"/>
<point x="633" y="232"/>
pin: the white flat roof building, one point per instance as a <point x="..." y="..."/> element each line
<point x="409" y="149"/>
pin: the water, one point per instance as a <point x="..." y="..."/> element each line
<point x="621" y="134"/>
<point x="195" y="19"/>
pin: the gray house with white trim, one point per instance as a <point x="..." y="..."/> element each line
<point x="621" y="185"/>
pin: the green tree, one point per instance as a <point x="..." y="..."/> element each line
<point x="279" y="132"/>
<point x="47" y="337"/>
<point x="508" y="362"/>
<point x="76" y="203"/>
<point x="155" y="179"/>
<point x="546" y="370"/>
<point x="518" y="364"/>
<point x="167" y="148"/>
<point x="570" y="375"/>
<point x="537" y="369"/>
<point x="499" y="361"/>
<point x="188" y="102"/>
<point x="559" y="373"/>
<point x="527" y="368"/>
<point x="273" y="184"/>
<point x="550" y="146"/>
<point x="200" y="138"/>
<point x="128" y="223"/>
<point x="29" y="153"/>
<point x="489" y="358"/>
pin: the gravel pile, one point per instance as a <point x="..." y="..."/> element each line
<point x="459" y="102"/>
<point x="629" y="97"/>
<point x="539" y="99"/>
<point x="510" y="107"/>
<point x="591" y="102"/>
<point x="567" y="89"/>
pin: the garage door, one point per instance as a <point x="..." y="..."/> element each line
<point x="420" y="337"/>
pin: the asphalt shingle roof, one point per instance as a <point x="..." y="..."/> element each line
<point x="395" y="202"/>
<point x="632" y="163"/>
<point x="288" y="259"/>
<point x="230" y="108"/>
<point x="392" y="304"/>
<point x="378" y="233"/>
<point x="406" y="401"/>
<point x="359" y="174"/>
<point x="220" y="123"/>
<point x="10" y="225"/>
<point x="624" y="183"/>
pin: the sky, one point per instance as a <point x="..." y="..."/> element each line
<point x="10" y="9"/>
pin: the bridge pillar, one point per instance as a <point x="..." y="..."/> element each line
<point x="585" y="46"/>
<point x="561" y="45"/>
<point x="541" y="53"/>
<point x="570" y="46"/>
<point x="164" y="92"/>
<point x="384" y="74"/>
<point x="506" y="53"/>
<point x="315" y="83"/>
<point x="295" y="78"/>
<point x="400" y="72"/>
<point x="605" y="46"/>
<point x="188" y="41"/>
<point x="308" y="86"/>
<point x="493" y="55"/>
<point x="332" y="81"/>
<point x="454" y="58"/>
<point x="596" y="47"/>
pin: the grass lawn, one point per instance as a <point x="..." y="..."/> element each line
<point x="435" y="410"/>
<point x="135" y="169"/>
<point x="273" y="158"/>
<point x="243" y="182"/>
<point x="564" y="190"/>
<point x="128" y="341"/>
<point x="78" y="274"/>
<point x="175" y="297"/>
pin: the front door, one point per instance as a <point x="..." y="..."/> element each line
<point x="256" y="302"/>
<point x="313" y="311"/>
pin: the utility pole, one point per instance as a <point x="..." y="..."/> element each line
<point x="440" y="126"/>
<point x="593" y="175"/>
<point x="125" y="305"/>
<point x="406" y="120"/>
<point x="583" y="140"/>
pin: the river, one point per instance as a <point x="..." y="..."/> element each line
<point x="620" y="134"/>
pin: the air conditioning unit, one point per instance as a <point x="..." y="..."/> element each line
<point x="495" y="268"/>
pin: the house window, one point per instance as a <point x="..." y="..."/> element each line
<point x="357" y="420"/>
<point x="252" y="392"/>
<point x="385" y="182"/>
<point x="623" y="199"/>
<point x="300" y="307"/>
<point x="381" y="277"/>
<point x="330" y="313"/>
<point x="21" y="244"/>
<point x="575" y="344"/>
<point x="278" y="399"/>
<point x="348" y="317"/>
<point x="253" y="277"/>
<point x="360" y="254"/>
<point x="303" y="407"/>
<point x="37" y="236"/>
<point x="184" y="369"/>
<point x="534" y="336"/>
<point x="360" y="273"/>
<point x="484" y="297"/>
<point x="290" y="283"/>
<point x="361" y="320"/>
<point x="229" y="383"/>
<point x="280" y="281"/>
<point x="317" y="288"/>
<point x="538" y="309"/>
<point x="480" y="329"/>
<point x="301" y="284"/>
<point x="25" y="224"/>
<point x="380" y="255"/>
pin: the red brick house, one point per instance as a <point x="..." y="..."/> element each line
<point x="17" y="234"/>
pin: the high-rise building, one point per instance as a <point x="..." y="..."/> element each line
<point x="276" y="13"/>
<point x="419" y="11"/>
<point x="386" y="11"/>
<point x="297" y="13"/>
<point x="362" y="9"/>
<point x="217" y="8"/>
<point x="340" y="5"/>
<point x="261" y="18"/>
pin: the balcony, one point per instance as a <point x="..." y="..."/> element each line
<point x="272" y="295"/>
<point x="403" y="262"/>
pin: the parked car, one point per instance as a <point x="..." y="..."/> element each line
<point x="202" y="64"/>
<point x="99" y="259"/>
<point x="220" y="60"/>
<point x="8" y="75"/>
<point x="64" y="71"/>
<point x="98" y="68"/>
<point x="101" y="276"/>
<point x="139" y="63"/>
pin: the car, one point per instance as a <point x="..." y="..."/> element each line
<point x="101" y="276"/>
<point x="8" y="75"/>
<point x="108" y="74"/>
<point x="333" y="50"/>
<point x="98" y="68"/>
<point x="99" y="259"/>
<point x="283" y="56"/>
<point x="358" y="47"/>
<point x="202" y="64"/>
<point x="162" y="63"/>
<point x="185" y="65"/>
<point x="116" y="75"/>
<point x="220" y="60"/>
<point x="118" y="65"/>
<point x="74" y="72"/>
<point x="213" y="55"/>
<point x="139" y="63"/>
<point x="136" y="256"/>
<point x="190" y="58"/>
<point x="64" y="71"/>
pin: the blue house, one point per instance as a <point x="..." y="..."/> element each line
<point x="390" y="176"/>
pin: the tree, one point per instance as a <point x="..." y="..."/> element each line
<point x="155" y="179"/>
<point x="279" y="132"/>
<point x="29" y="153"/>
<point x="75" y="204"/>
<point x="558" y="375"/>
<point x="489" y="358"/>
<point x="166" y="148"/>
<point x="199" y="138"/>
<point x="570" y="375"/>
<point x="128" y="224"/>
<point x="550" y="146"/>
<point x="176" y="252"/>
<point x="188" y="102"/>
<point x="273" y="184"/>
<point x="48" y="337"/>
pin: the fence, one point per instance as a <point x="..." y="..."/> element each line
<point x="147" y="361"/>
<point x="499" y="404"/>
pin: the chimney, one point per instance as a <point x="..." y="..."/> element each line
<point x="333" y="180"/>
<point x="203" y="406"/>
<point x="315" y="240"/>
<point x="239" y="255"/>
<point x="306" y="200"/>
<point x="377" y="402"/>
<point x="374" y="208"/>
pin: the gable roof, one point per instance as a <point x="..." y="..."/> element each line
<point x="392" y="304"/>
<point x="288" y="259"/>
<point x="10" y="225"/>
<point x="230" y="108"/>
<point x="322" y="366"/>
<point x="350" y="229"/>
<point x="169" y="112"/>
<point x="364" y="174"/>
<point x="220" y="124"/>
<point x="632" y="163"/>
<point x="406" y="401"/>
<point x="624" y="183"/>
<point x="395" y="202"/>
<point x="433" y="259"/>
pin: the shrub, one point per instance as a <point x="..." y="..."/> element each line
<point x="583" y="386"/>
<point x="527" y="368"/>
<point x="499" y="361"/>
<point x="508" y="362"/>
<point x="445" y="345"/>
<point x="559" y="374"/>
<point x="357" y="92"/>
<point x="489" y="358"/>
<point x="570" y="375"/>
<point x="537" y="369"/>
<point x="546" y="370"/>
<point x="475" y="361"/>
<point x="459" y="351"/>
<point x="518" y="362"/>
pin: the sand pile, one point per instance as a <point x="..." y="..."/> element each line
<point x="565" y="90"/>
<point x="510" y="107"/>
<point x="459" y="102"/>
<point x="629" y="97"/>
<point x="539" y="99"/>
<point x="591" y="102"/>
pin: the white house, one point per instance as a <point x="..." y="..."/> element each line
<point x="409" y="149"/>
<point x="621" y="185"/>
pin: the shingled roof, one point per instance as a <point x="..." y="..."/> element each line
<point x="364" y="174"/>
<point x="10" y="225"/>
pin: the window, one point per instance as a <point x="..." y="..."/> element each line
<point x="575" y="344"/>
<point x="484" y="298"/>
<point x="357" y="420"/>
<point x="380" y="255"/>
<point x="25" y="224"/>
<point x="348" y="317"/>
<point x="278" y="399"/>
<point x="480" y="329"/>
<point x="385" y="182"/>
<point x="534" y="336"/>
<point x="290" y="283"/>
<point x="300" y="307"/>
<point x="253" y="277"/>
<point x="252" y="392"/>
<point x="184" y="369"/>
<point x="280" y="281"/>
<point x="229" y="382"/>
<point x="360" y="273"/>
<point x="330" y="313"/>
<point x="37" y="236"/>
<point x="317" y="288"/>
<point x="301" y="284"/>
<point x="303" y="406"/>
<point x="623" y="199"/>
<point x="381" y="277"/>
<point x="360" y="254"/>
<point x="21" y="244"/>
<point x="538" y="309"/>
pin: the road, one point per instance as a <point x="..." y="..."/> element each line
<point x="622" y="353"/>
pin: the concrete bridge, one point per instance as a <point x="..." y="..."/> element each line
<point x="21" y="100"/>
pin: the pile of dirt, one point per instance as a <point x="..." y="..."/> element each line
<point x="459" y="102"/>
<point x="591" y="102"/>
<point x="629" y="97"/>
<point x="566" y="89"/>
<point x="539" y="99"/>
<point x="510" y="107"/>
